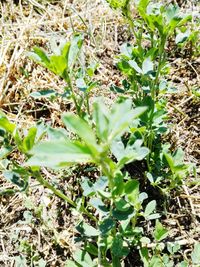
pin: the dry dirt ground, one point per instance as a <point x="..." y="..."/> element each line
<point x="38" y="225"/>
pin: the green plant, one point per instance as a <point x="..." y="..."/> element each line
<point x="115" y="197"/>
<point x="162" y="255"/>
<point x="145" y="66"/>
<point x="64" y="63"/>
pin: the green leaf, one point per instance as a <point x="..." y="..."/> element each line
<point x="87" y="187"/>
<point x="106" y="225"/>
<point x="117" y="3"/>
<point x="82" y="129"/>
<point x="58" y="64"/>
<point x="123" y="215"/>
<point x="150" y="208"/>
<point x="143" y="4"/>
<point x="83" y="258"/>
<point x="155" y="262"/>
<point x="6" y="124"/>
<point x="59" y="153"/>
<point x="16" y="179"/>
<point x="118" y="182"/>
<point x="20" y="261"/>
<point x="29" y="140"/>
<point x="183" y="264"/>
<point x="98" y="204"/>
<point x="118" y="124"/>
<point x="118" y="248"/>
<point x="70" y="263"/>
<point x="182" y="37"/>
<point x="135" y="66"/>
<point x="44" y="94"/>
<point x="40" y="56"/>
<point x="57" y="133"/>
<point x="91" y="248"/>
<point x="100" y="115"/>
<point x="144" y="256"/>
<point x="101" y="183"/>
<point x="86" y="229"/>
<point x="81" y="84"/>
<point x="75" y="47"/>
<point x="130" y="153"/>
<point x="122" y="205"/>
<point x="196" y="254"/>
<point x="147" y="66"/>
<point x="170" y="160"/>
<point x="160" y="232"/>
<point x="132" y="191"/>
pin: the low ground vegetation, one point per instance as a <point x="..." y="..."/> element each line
<point x="97" y="172"/>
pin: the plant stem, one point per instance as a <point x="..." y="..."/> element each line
<point x="58" y="193"/>
<point x="68" y="80"/>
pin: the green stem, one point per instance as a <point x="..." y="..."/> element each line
<point x="58" y="193"/>
<point x="68" y="80"/>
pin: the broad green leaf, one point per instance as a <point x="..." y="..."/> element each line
<point x="100" y="115"/>
<point x="41" y="56"/>
<point x="91" y="248"/>
<point x="183" y="264"/>
<point x="170" y="161"/>
<point x="129" y="153"/>
<point x="58" y="64"/>
<point x="160" y="232"/>
<point x="143" y="4"/>
<point x="182" y="36"/>
<point x="132" y="191"/>
<point x="87" y="187"/>
<point x="57" y="133"/>
<point x="70" y="263"/>
<point x="155" y="262"/>
<point x="173" y="247"/>
<point x="83" y="258"/>
<point x="147" y="66"/>
<point x="144" y="256"/>
<point x="106" y="225"/>
<point x="118" y="248"/>
<point x="20" y="261"/>
<point x="82" y="129"/>
<point x="196" y="254"/>
<point x="86" y="229"/>
<point x="65" y="51"/>
<point x="118" y="182"/>
<point x="6" y="124"/>
<point x="59" y="153"/>
<point x="150" y="208"/>
<point x="122" y="204"/>
<point x="153" y="216"/>
<point x="118" y="124"/>
<point x="135" y="66"/>
<point x="29" y="139"/>
<point x="101" y="183"/>
<point x="123" y="215"/>
<point x="98" y="204"/>
<point x="178" y="157"/>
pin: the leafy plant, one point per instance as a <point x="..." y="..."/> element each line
<point x="64" y="63"/>
<point x="145" y="66"/>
